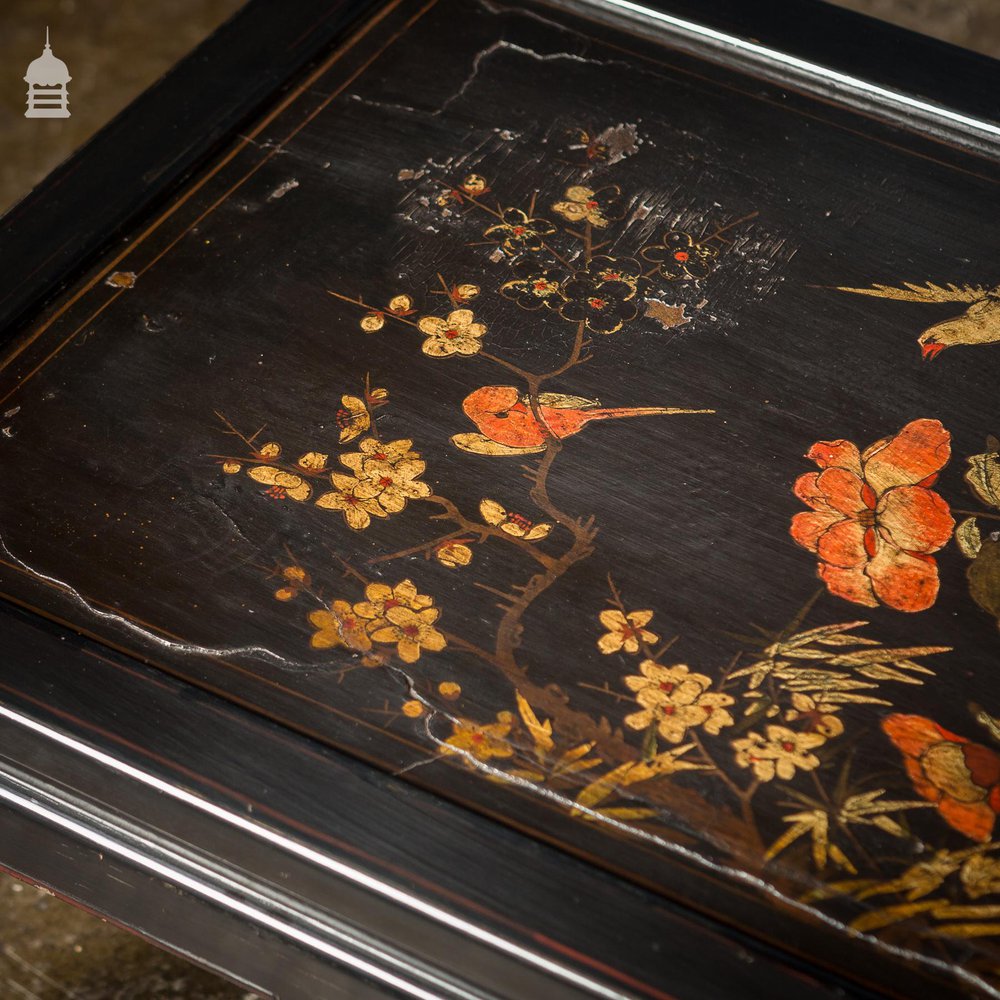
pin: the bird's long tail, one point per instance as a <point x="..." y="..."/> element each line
<point x="613" y="413"/>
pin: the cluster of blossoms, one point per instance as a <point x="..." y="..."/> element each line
<point x="398" y="616"/>
<point x="385" y="475"/>
<point x="676" y="700"/>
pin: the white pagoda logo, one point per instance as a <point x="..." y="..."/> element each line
<point x="47" y="79"/>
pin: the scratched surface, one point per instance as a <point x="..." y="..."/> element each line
<point x="466" y="159"/>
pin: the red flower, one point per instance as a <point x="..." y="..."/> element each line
<point x="874" y="519"/>
<point x="960" y="777"/>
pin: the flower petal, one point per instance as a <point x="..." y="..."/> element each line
<point x="850" y="584"/>
<point x="918" y="519"/>
<point x="842" y="490"/>
<point x="836" y="454"/>
<point x="903" y="581"/>
<point x="843" y="544"/>
<point x="809" y="526"/>
<point x="919" y="450"/>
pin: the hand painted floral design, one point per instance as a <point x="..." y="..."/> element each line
<point x="355" y="499"/>
<point x="380" y="599"/>
<point x="678" y="257"/>
<point x="604" y="294"/>
<point x="518" y="232"/>
<point x="625" y="631"/>
<point x="960" y="777"/>
<point x="539" y="286"/>
<point x="453" y="554"/>
<point x="399" y="306"/>
<point x="676" y="700"/>
<point x="354" y="414"/>
<point x="875" y="520"/>
<point x="352" y="418"/>
<point x="282" y="484"/>
<point x="510" y="523"/>
<point x="585" y="205"/>
<point x="295" y="579"/>
<point x="778" y="754"/>
<point x="411" y="631"/>
<point x="473" y="186"/>
<point x="815" y="715"/>
<point x="480" y="742"/>
<point x="339" y="625"/>
<point x="458" y="334"/>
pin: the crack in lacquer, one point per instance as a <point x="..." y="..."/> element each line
<point x="146" y="633"/>
<point x="562" y="801"/>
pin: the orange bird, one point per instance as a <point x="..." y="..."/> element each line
<point x="508" y="425"/>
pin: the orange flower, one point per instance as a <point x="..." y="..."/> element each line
<point x="874" y="519"/>
<point x="960" y="777"/>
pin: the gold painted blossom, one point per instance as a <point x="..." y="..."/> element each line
<point x="518" y="232"/>
<point x="355" y="499"/>
<point x="480" y="742"/>
<point x="380" y="598"/>
<point x="339" y="625"/>
<point x="625" y="631"/>
<point x="296" y="579"/>
<point x="411" y="631"/>
<point x="282" y="484"/>
<point x="453" y="554"/>
<point x="582" y="204"/>
<point x="676" y="700"/>
<point x="376" y="456"/>
<point x="510" y="523"/>
<point x="352" y="418"/>
<point x="386" y="472"/>
<point x="816" y="714"/>
<point x="457" y="334"/>
<point x="780" y="753"/>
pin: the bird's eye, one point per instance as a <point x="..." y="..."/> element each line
<point x="502" y="415"/>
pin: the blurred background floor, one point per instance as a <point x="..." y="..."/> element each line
<point x="48" y="949"/>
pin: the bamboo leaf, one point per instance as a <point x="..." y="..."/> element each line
<point x="888" y="915"/>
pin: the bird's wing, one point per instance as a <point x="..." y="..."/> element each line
<point x="923" y="293"/>
<point x="561" y="401"/>
<point x="480" y="444"/>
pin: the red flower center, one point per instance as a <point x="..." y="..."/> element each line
<point x="669" y="709"/>
<point x="519" y="230"/>
<point x="612" y="276"/>
<point x="391" y="602"/>
<point x="541" y="286"/>
<point x="596" y="303"/>
<point x="592" y="203"/>
<point x="380" y="455"/>
<point x="667" y="686"/>
<point x="787" y="746"/>
<point x="411" y="631"/>
<point x="477" y="738"/>
<point x="349" y="623"/>
<point x="351" y="501"/>
<point x="385" y="481"/>
<point x="451" y="334"/>
<point x="682" y="256"/>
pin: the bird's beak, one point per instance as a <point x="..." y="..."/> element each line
<point x="929" y="351"/>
